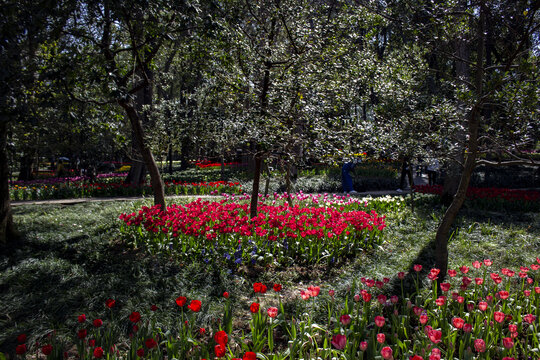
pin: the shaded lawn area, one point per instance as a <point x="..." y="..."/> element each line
<point x="72" y="259"/>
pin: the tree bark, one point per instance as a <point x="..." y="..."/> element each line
<point x="7" y="228"/>
<point x="443" y="231"/>
<point x="25" y="170"/>
<point x="155" y="177"/>
<point x="268" y="175"/>
<point x="256" y="182"/>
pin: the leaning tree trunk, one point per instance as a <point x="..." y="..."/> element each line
<point x="443" y="232"/>
<point x="155" y="177"/>
<point x="7" y="229"/>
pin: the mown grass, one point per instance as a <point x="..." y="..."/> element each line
<point x="72" y="258"/>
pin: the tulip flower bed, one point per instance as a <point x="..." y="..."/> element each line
<point x="494" y="198"/>
<point x="208" y="164"/>
<point x="479" y="313"/>
<point x="280" y="234"/>
<point x="108" y="187"/>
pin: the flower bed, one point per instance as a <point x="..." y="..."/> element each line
<point x="479" y="314"/>
<point x="494" y="198"/>
<point x="111" y="186"/>
<point x="207" y="164"/>
<point x="222" y="231"/>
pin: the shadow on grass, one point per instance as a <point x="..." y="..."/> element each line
<point x="426" y="258"/>
<point x="46" y="283"/>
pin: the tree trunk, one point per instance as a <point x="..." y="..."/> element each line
<point x="184" y="154"/>
<point x="268" y="174"/>
<point x="7" y="228"/>
<point x="137" y="172"/>
<point x="155" y="177"/>
<point x="443" y="231"/>
<point x="170" y="158"/>
<point x="25" y="170"/>
<point x="256" y="181"/>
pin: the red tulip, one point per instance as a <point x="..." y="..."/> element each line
<point x="508" y="342"/>
<point x="47" y="349"/>
<point x="150" y="343"/>
<point x="272" y="312"/>
<point x="195" y="305"/>
<point x="498" y="316"/>
<point x="21" y="349"/>
<point x="219" y="350"/>
<point x="21" y="338"/>
<point x="135" y="317"/>
<point x="181" y="301"/>
<point x="254" y="308"/>
<point x="221" y="337"/>
<point x="110" y="303"/>
<point x="386" y="353"/>
<point x="339" y="341"/>
<point x="379" y="321"/>
<point x="458" y="322"/>
<point x="98" y="352"/>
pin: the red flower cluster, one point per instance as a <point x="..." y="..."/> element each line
<point x="206" y="164"/>
<point x="211" y="219"/>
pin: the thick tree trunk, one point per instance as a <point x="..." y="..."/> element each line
<point x="256" y="182"/>
<point x="155" y="177"/>
<point x="7" y="229"/>
<point x="443" y="231"/>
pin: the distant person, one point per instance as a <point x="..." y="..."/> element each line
<point x="405" y="172"/>
<point x="60" y="170"/>
<point x="431" y="171"/>
<point x="346" y="179"/>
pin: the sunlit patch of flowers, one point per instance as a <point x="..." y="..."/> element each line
<point x="478" y="313"/>
<point x="223" y="231"/>
<point x="343" y="202"/>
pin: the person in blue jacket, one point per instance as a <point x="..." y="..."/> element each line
<point x="346" y="179"/>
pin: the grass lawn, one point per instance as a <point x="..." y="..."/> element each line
<point x="73" y="258"/>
